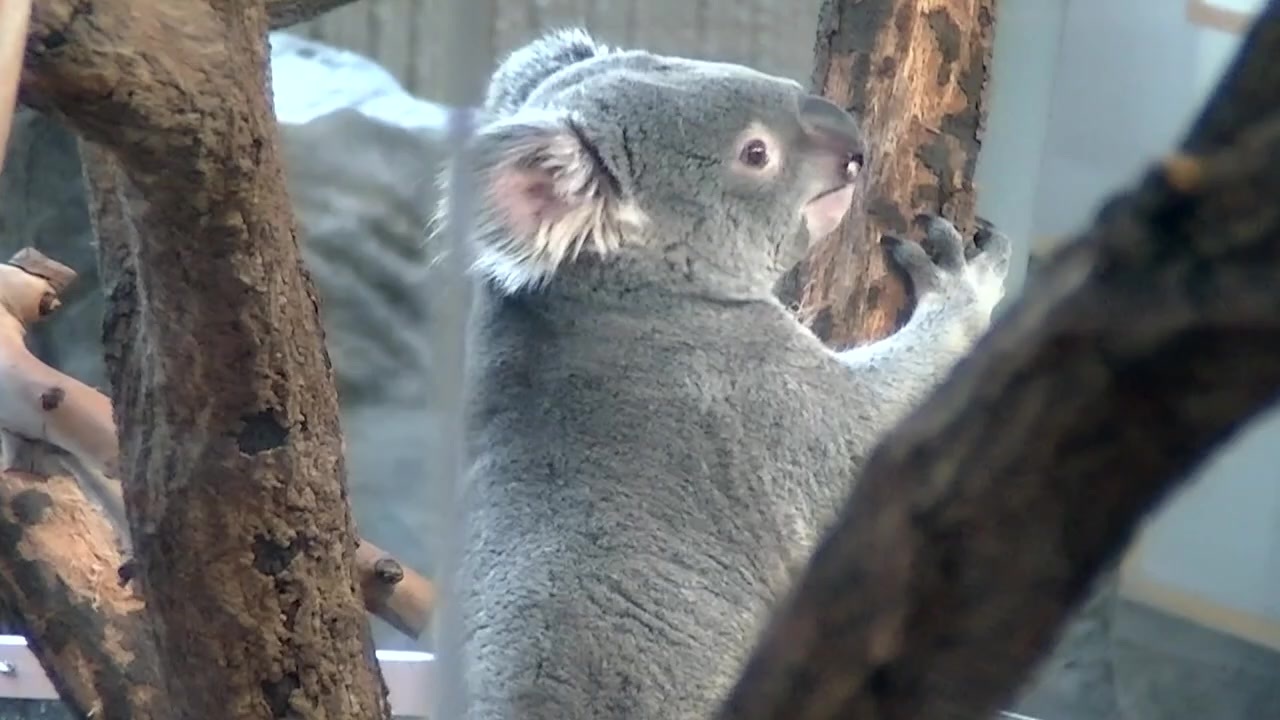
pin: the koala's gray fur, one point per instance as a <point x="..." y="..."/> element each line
<point x="655" y="443"/>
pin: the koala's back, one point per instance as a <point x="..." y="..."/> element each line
<point x="641" y="490"/>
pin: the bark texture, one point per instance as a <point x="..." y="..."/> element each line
<point x="978" y="526"/>
<point x="916" y="72"/>
<point x="58" y="563"/>
<point x="223" y="394"/>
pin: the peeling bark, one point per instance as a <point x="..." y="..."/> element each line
<point x="916" y="72"/>
<point x="223" y="394"/>
<point x="980" y="523"/>
<point x="58" y="562"/>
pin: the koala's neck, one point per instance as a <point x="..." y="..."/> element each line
<point x="614" y="314"/>
<point x="676" y="274"/>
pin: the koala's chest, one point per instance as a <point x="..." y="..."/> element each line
<point x="722" y="409"/>
<point x="684" y="415"/>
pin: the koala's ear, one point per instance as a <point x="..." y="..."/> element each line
<point x="546" y="196"/>
<point x="521" y="72"/>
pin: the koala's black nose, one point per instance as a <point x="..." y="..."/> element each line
<point x="833" y="127"/>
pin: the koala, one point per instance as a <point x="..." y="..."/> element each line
<point x="654" y="443"/>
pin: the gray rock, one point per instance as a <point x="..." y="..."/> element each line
<point x="361" y="160"/>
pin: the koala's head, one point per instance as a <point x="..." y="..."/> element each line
<point x="683" y="170"/>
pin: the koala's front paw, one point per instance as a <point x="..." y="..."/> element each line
<point x="965" y="278"/>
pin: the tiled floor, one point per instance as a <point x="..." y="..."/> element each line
<point x="1117" y="661"/>
<point x="1124" y="661"/>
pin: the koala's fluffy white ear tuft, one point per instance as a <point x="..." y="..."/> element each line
<point x="545" y="197"/>
<point x="530" y="65"/>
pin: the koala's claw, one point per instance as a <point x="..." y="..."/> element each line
<point x="983" y="233"/>
<point x="944" y="243"/>
<point x="992" y="248"/>
<point x="945" y="260"/>
<point x="915" y="261"/>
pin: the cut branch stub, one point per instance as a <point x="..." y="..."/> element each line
<point x="41" y="402"/>
<point x="915" y="71"/>
<point x="401" y="597"/>
<point x="59" y="276"/>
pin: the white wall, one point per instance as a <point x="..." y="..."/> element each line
<point x="1022" y="72"/>
<point x="1121" y="99"/>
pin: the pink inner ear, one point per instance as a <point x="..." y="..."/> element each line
<point x="526" y="199"/>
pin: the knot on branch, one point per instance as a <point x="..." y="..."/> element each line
<point x="388" y="571"/>
<point x="261" y="432"/>
<point x="50" y="399"/>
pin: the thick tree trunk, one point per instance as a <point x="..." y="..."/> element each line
<point x="979" y="524"/>
<point x="916" y="73"/>
<point x="223" y="393"/>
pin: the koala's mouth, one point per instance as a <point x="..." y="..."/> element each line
<point x="824" y="212"/>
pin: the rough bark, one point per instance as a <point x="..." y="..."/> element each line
<point x="402" y="597"/>
<point x="58" y="568"/>
<point x="978" y="525"/>
<point x="222" y="390"/>
<point x="58" y="574"/>
<point x="915" y="71"/>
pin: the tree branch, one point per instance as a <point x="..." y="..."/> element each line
<point x="42" y="404"/>
<point x="29" y="287"/>
<point x="58" y="573"/>
<point x="223" y="396"/>
<point x="979" y="524"/>
<point x="14" y="16"/>
<point x="284" y="13"/>
<point x="393" y="592"/>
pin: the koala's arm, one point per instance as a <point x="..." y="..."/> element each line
<point x="955" y="298"/>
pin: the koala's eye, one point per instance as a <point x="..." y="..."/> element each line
<point x="755" y="154"/>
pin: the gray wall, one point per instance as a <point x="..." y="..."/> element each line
<point x="1022" y="74"/>
<point x="409" y="36"/>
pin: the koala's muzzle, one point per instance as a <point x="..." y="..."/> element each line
<point x="837" y="145"/>
<point x="831" y="127"/>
